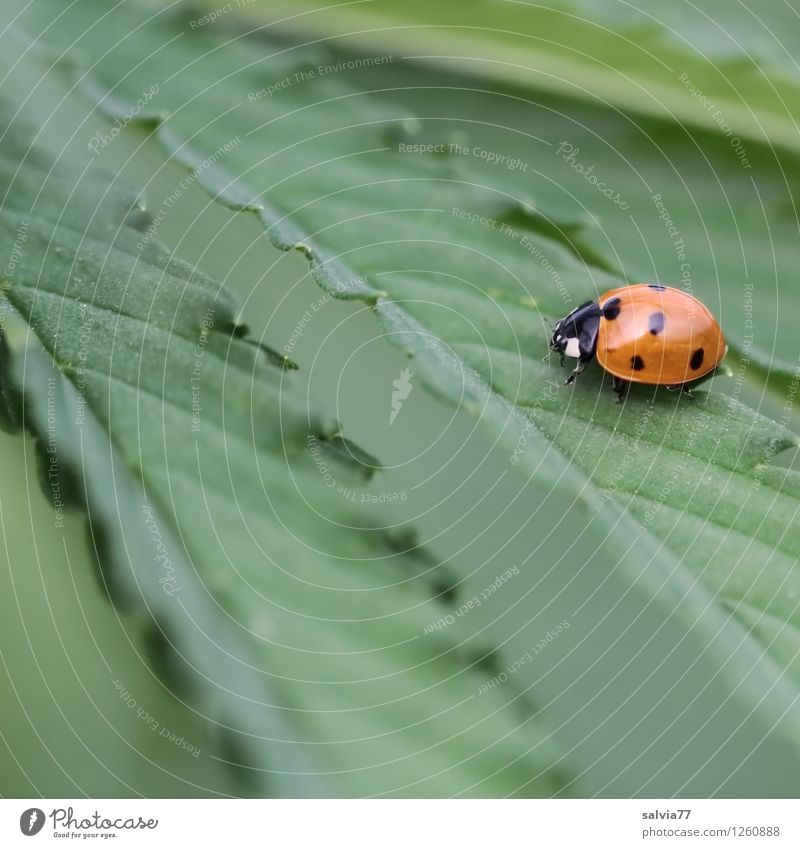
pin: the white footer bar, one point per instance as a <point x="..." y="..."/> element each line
<point x="400" y="823"/>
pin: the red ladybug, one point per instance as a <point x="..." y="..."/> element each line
<point x="643" y="334"/>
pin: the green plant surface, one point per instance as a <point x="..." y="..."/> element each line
<point x="471" y="301"/>
<point x="741" y="235"/>
<point x="712" y="63"/>
<point x="83" y="714"/>
<point x="197" y="527"/>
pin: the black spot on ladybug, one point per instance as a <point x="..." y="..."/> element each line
<point x="657" y="288"/>
<point x="637" y="363"/>
<point x="612" y="308"/>
<point x="656" y="323"/>
<point x="697" y="359"/>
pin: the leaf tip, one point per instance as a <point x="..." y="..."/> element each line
<point x="273" y="356"/>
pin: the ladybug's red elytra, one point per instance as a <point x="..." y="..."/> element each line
<point x="650" y="334"/>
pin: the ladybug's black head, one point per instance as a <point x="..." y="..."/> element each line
<point x="576" y="335"/>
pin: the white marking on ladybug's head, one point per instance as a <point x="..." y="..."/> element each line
<point x="573" y="348"/>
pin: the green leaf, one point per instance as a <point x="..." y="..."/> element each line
<point x="472" y="299"/>
<point x="723" y="68"/>
<point x="712" y="63"/>
<point x="189" y="449"/>
<point x="82" y="712"/>
<point x="619" y="190"/>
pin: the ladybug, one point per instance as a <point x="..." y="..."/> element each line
<point x="649" y="334"/>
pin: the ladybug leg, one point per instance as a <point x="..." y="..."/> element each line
<point x="571" y="379"/>
<point x="620" y="388"/>
<point x="683" y="388"/>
